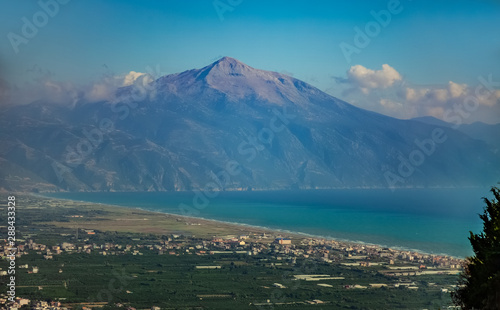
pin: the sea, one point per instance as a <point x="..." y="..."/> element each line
<point x="435" y="221"/>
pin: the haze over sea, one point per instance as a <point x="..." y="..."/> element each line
<point x="428" y="220"/>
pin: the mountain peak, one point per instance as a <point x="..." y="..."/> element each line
<point x="227" y="59"/>
<point x="230" y="66"/>
<point x="239" y="81"/>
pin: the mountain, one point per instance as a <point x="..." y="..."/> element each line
<point x="228" y="126"/>
<point x="489" y="133"/>
<point x="432" y="121"/>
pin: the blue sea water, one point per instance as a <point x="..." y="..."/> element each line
<point x="428" y="220"/>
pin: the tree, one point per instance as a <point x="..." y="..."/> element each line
<point x="479" y="284"/>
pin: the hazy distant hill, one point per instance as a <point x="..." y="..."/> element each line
<point x="269" y="130"/>
<point x="489" y="133"/>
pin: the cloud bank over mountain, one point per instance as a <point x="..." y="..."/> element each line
<point x="46" y="88"/>
<point x="387" y="91"/>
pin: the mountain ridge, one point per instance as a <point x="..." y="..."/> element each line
<point x="190" y="126"/>
<point x="489" y="133"/>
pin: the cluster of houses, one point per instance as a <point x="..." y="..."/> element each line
<point x="52" y="305"/>
<point x="35" y="305"/>
<point x="370" y="255"/>
<point x="276" y="247"/>
<point x="329" y="251"/>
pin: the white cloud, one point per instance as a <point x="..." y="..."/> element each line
<point x="368" y="79"/>
<point x="131" y="77"/>
<point x="386" y="92"/>
<point x="100" y="92"/>
<point x="442" y="94"/>
<point x="45" y="88"/>
<point x="105" y="89"/>
<point x="438" y="94"/>
<point x="456" y="90"/>
<point x="390" y="104"/>
<point x="413" y="94"/>
<point x="451" y="93"/>
<point x="489" y="99"/>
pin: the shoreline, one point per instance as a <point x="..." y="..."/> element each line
<point x="42" y="192"/>
<point x="260" y="229"/>
<point x="304" y="235"/>
<point x="301" y="234"/>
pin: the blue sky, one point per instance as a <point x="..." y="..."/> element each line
<point x="428" y="43"/>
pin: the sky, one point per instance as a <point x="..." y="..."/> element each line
<point x="400" y="58"/>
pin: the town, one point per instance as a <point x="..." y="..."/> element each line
<point x="295" y="260"/>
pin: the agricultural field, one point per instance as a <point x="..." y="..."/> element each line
<point x="126" y="266"/>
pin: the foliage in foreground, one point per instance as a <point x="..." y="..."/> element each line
<point x="479" y="284"/>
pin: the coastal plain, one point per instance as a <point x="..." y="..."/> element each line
<point x="175" y="262"/>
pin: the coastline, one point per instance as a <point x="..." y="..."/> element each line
<point x="68" y="236"/>
<point x="238" y="228"/>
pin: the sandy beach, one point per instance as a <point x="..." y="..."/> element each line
<point x="136" y="220"/>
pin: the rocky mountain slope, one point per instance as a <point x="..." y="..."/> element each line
<point x="228" y="126"/>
